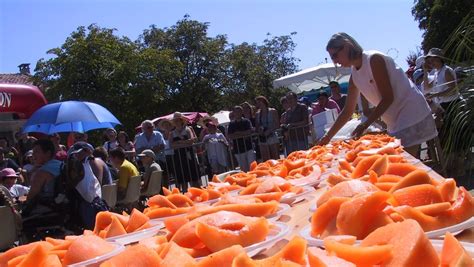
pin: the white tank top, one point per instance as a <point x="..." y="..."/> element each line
<point x="89" y="186"/>
<point x="440" y="85"/>
<point x="409" y="105"/>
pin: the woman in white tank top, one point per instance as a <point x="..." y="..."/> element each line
<point x="397" y="101"/>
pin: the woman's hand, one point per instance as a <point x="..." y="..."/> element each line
<point x="359" y="130"/>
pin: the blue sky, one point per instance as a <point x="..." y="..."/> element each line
<point x="29" y="28"/>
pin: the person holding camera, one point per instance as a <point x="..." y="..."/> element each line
<point x="267" y="122"/>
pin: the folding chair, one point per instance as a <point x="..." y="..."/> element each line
<point x="109" y="194"/>
<point x="8" y="231"/>
<point x="133" y="193"/>
<point x="154" y="185"/>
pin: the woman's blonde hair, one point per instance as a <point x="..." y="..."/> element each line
<point x="338" y="41"/>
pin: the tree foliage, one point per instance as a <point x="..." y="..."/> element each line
<point x="439" y="18"/>
<point x="180" y="68"/>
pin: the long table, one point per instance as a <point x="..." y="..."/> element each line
<point x="299" y="215"/>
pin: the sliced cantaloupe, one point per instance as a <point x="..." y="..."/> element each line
<point x="115" y="228"/>
<point x="411" y="247"/>
<point x="435" y="208"/>
<point x="413" y="178"/>
<point x="21" y="250"/>
<point x="461" y="210"/>
<point x="180" y="200"/>
<point x="248" y="209"/>
<point x="380" y="166"/>
<point x="221" y="258"/>
<point x="389" y="178"/>
<point x="344" y="239"/>
<point x="320" y="258"/>
<point x="86" y="247"/>
<point x="385" y="186"/>
<point x="448" y="190"/>
<point x="51" y="261"/>
<point x="251" y="232"/>
<point x="347" y="189"/>
<point x="417" y="195"/>
<point x="39" y="254"/>
<point x="136" y="255"/>
<point x="365" y="256"/>
<point x="63" y="246"/>
<point x="453" y="253"/>
<point x="364" y="165"/>
<point x="360" y="215"/>
<point x="153" y="242"/>
<point x="213" y="194"/>
<point x="249" y="189"/>
<point x="266" y="197"/>
<point x="326" y="213"/>
<point x="137" y="220"/>
<point x="427" y="222"/>
<point x="160" y="201"/>
<point x="165" y="212"/>
<point x="176" y="257"/>
<point x="400" y="169"/>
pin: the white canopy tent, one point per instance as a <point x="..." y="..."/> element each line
<point x="222" y="117"/>
<point x="313" y="78"/>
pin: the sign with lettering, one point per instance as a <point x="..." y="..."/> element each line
<point x="5" y="100"/>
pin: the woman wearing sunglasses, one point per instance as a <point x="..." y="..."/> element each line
<point x="385" y="85"/>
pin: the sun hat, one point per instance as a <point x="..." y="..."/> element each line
<point x="147" y="153"/>
<point x="417" y="74"/>
<point x="435" y="52"/>
<point x="206" y="119"/>
<point x="179" y="116"/>
<point x="8" y="172"/>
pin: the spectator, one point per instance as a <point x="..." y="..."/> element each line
<point x="9" y="178"/>
<point x="336" y="94"/>
<point x="110" y="173"/>
<point x="324" y="103"/>
<point x="88" y="185"/>
<point x="9" y="151"/>
<point x="239" y="131"/>
<point x="43" y="191"/>
<point x="296" y="124"/>
<point x="166" y="127"/>
<point x="444" y="86"/>
<point x="112" y="141"/>
<point x="385" y="85"/>
<point x="285" y="106"/>
<point x="248" y="112"/>
<point x="148" y="157"/>
<point x="418" y="79"/>
<point x="216" y="147"/>
<point x="305" y="100"/>
<point x="149" y="139"/>
<point x="184" y="158"/>
<point x="7" y="162"/>
<point x="61" y="151"/>
<point x="267" y="122"/>
<point x="24" y="143"/>
<point x="127" y="145"/>
<point x="125" y="170"/>
<point x="203" y="122"/>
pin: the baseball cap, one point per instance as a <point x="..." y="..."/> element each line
<point x="79" y="146"/>
<point x="8" y="172"/>
<point x="147" y="153"/>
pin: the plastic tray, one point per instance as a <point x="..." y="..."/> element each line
<point x="454" y="229"/>
<point x="99" y="259"/>
<point x="282" y="208"/>
<point x="277" y="231"/>
<point x="289" y="198"/>
<point x="139" y="235"/>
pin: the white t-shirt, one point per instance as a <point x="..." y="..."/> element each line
<point x="89" y="187"/>
<point x="440" y="85"/>
<point x="18" y="190"/>
<point x="409" y="105"/>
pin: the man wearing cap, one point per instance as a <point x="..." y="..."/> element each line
<point x="324" y="103"/>
<point x="125" y="170"/>
<point x="148" y="157"/>
<point x="9" y="177"/>
<point x="444" y="85"/>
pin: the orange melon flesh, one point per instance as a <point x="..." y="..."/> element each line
<point x="228" y="235"/>
<point x="453" y="253"/>
<point x="51" y="261"/>
<point x="177" y="257"/>
<point x="417" y="195"/>
<point x="249" y="189"/>
<point x="180" y="201"/>
<point x="447" y="189"/>
<point x="380" y="166"/>
<point x="461" y="210"/>
<point x="320" y="258"/>
<point x="411" y="247"/>
<point x="248" y="209"/>
<point x="434" y="209"/>
<point x="360" y="215"/>
<point x="325" y="214"/>
<point x="359" y="255"/>
<point x="137" y="219"/>
<point x="413" y="178"/>
<point x="86" y="247"/>
<point x="21" y="250"/>
<point x="364" y="165"/>
<point x="221" y="258"/>
<point x="38" y="255"/>
<point x="136" y="255"/>
<point x="153" y="242"/>
<point x="165" y="212"/>
<point x="389" y="178"/>
<point x="343" y="239"/>
<point x="160" y="201"/>
<point x="347" y="189"/>
<point x="400" y="169"/>
<point x="427" y="222"/>
<point x="115" y="229"/>
<point x="213" y="194"/>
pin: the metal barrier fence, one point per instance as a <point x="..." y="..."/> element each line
<point x="195" y="165"/>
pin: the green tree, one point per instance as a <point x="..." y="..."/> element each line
<point x="439" y="18"/>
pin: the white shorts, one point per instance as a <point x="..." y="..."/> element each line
<point x="419" y="133"/>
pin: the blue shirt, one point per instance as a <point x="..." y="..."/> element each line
<point x="142" y="143"/>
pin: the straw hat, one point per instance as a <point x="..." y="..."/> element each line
<point x="162" y="122"/>
<point x="204" y="120"/>
<point x="178" y="116"/>
<point x="435" y="52"/>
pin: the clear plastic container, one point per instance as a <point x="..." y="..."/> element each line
<point x="139" y="235"/>
<point x="95" y="262"/>
<point x="282" y="208"/>
<point x="290" y="198"/>
<point x="453" y="229"/>
<point x="306" y="234"/>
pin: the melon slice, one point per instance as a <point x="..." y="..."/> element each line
<point x="347" y="189"/>
<point x="453" y="253"/>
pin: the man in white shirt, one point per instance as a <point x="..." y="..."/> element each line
<point x="149" y="139"/>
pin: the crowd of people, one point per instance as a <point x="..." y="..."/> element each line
<point x="42" y="174"/>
